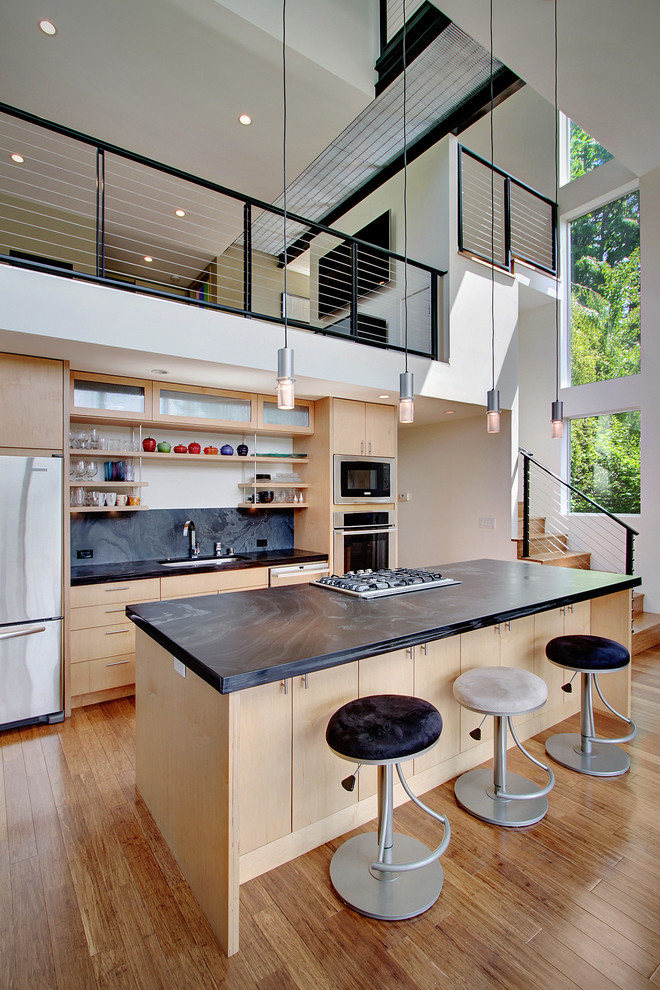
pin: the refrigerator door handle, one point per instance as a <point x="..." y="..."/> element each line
<point x="23" y="632"/>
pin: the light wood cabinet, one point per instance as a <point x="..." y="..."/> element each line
<point x="389" y="673"/>
<point x="187" y="405"/>
<point x="298" y="421"/>
<point x="31" y="403"/>
<point x="571" y="620"/>
<point x="317" y="772"/>
<point x="437" y="665"/>
<point x="479" y="648"/>
<point x="209" y="583"/>
<point x="265" y="725"/>
<point x="364" y="428"/>
<point x="107" y="397"/>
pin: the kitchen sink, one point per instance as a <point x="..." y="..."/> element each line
<point x="230" y="558"/>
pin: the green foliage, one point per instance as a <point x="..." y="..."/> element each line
<point x="586" y="153"/>
<point x="605" y="462"/>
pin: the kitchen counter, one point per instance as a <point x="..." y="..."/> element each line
<point x="133" y="570"/>
<point x="226" y="639"/>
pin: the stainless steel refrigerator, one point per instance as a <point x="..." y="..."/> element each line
<point x="30" y="590"/>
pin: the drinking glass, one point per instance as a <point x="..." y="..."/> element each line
<point x="91" y="469"/>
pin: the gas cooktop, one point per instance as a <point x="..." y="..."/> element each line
<point x="387" y="581"/>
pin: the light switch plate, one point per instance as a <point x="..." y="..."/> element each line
<point x="180" y="667"/>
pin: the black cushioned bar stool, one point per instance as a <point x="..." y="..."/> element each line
<point x="586" y="752"/>
<point x="386" y="730"/>
<point x="495" y="796"/>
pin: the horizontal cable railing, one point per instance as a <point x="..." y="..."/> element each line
<point x="524" y="221"/>
<point x="559" y="519"/>
<point x="76" y="206"/>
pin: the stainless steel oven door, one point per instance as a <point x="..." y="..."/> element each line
<point x="361" y="549"/>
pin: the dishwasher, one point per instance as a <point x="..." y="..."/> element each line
<point x="298" y="573"/>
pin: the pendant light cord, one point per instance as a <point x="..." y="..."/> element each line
<point x="405" y="195"/>
<point x="286" y="315"/>
<point x="557" y="344"/>
<point x="492" y="207"/>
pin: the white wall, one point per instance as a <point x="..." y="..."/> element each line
<point x="456" y="474"/>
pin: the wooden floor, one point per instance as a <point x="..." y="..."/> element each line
<point x="90" y="896"/>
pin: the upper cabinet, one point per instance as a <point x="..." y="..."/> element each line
<point x="31" y="402"/>
<point x="104" y="397"/>
<point x="296" y="421"/>
<point x="186" y="405"/>
<point x="364" y="428"/>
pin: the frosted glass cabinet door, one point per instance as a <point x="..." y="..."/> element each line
<point x="196" y="406"/>
<point x="107" y="397"/>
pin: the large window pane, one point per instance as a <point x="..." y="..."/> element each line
<point x="586" y="152"/>
<point x="605" y="278"/>
<point x="605" y="461"/>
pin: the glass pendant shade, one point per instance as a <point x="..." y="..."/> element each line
<point x="406" y="397"/>
<point x="557" y="419"/>
<point x="285" y="388"/>
<point x="493" y="411"/>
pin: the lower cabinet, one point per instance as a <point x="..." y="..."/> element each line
<point x="212" y="582"/>
<point x="389" y="673"/>
<point x="479" y="648"/>
<point x="437" y="665"/>
<point x="570" y="620"/>
<point x="317" y="772"/>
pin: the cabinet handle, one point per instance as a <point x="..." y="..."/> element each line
<point x="116" y="663"/>
<point x="108" y="611"/>
<point x="507" y="625"/>
<point x="117" y="589"/>
<point x="571" y="608"/>
<point x="425" y="647"/>
<point x="362" y="446"/>
<point x="410" y="651"/>
<point x="306" y="679"/>
<point x="562" y="610"/>
<point x="285" y="685"/>
<point x="370" y="446"/>
<point x="116" y="632"/>
<point x="498" y="629"/>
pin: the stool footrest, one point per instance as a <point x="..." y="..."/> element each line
<point x="628" y="721"/>
<point x="384" y="867"/>
<point x="532" y="794"/>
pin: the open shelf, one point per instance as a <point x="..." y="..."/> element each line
<point x="109" y="508"/>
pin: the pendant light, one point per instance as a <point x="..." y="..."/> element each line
<point x="493" y="395"/>
<point x="406" y="379"/>
<point x="285" y="380"/>
<point x="557" y="412"/>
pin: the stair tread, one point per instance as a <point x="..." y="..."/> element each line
<point x="645" y="620"/>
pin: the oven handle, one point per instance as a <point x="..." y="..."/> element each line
<point x="365" y="532"/>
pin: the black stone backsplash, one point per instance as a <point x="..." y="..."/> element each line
<point x="129" y="536"/>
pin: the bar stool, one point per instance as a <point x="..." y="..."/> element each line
<point x="495" y="796"/>
<point x="385" y="730"/>
<point x="586" y="752"/>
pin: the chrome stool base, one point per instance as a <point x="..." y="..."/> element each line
<point x="387" y="897"/>
<point x="604" y="760"/>
<point x="475" y="792"/>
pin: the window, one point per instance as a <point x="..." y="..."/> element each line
<point x="605" y="281"/>
<point x="604" y="461"/>
<point x="586" y="153"/>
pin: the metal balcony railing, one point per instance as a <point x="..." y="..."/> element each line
<point x="525" y="222"/>
<point x="81" y="208"/>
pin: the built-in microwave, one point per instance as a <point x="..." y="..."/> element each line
<point x="363" y="479"/>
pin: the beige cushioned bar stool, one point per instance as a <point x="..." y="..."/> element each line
<point x="495" y="796"/>
<point x="384" y="874"/>
<point x="586" y="752"/>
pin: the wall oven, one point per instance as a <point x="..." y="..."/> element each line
<point x="363" y="479"/>
<point x="363" y="540"/>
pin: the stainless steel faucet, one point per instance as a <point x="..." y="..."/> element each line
<point x="193" y="545"/>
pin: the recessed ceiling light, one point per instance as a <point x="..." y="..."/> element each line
<point x="449" y="412"/>
<point x="180" y="213"/>
<point x="383" y="396"/>
<point x="18" y="159"/>
<point x="148" y="259"/>
<point x="245" y="119"/>
<point x="48" y="28"/>
<point x="158" y="371"/>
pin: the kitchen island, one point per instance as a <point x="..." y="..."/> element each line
<point x="233" y="694"/>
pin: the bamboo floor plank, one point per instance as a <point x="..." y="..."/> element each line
<point x="91" y="896"/>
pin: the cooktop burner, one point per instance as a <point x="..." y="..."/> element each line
<point x="387" y="581"/>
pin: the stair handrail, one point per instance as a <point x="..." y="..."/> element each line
<point x="528" y="457"/>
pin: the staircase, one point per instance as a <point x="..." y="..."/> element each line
<point x="646" y="626"/>
<point x="548" y="548"/>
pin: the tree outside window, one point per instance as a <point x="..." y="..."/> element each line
<point x="604" y="457"/>
<point x="605" y="284"/>
<point x="586" y="152"/>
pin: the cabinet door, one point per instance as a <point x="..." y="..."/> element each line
<point x="437" y="665"/>
<point x="517" y="650"/>
<point x="349" y="427"/>
<point x="107" y="397"/>
<point x="547" y="626"/>
<point x="479" y="648"/>
<point x="265" y="764"/>
<point x="31" y="402"/>
<point x="380" y="430"/>
<point x="317" y="772"/>
<point x="298" y="421"/>
<point x="389" y="673"/>
<point x="186" y="405"/>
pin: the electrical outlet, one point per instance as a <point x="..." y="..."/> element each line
<point x="404" y="496"/>
<point x="84" y="554"/>
<point x="486" y="522"/>
<point x="262" y="543"/>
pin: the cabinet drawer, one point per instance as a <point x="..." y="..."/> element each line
<point x="105" y="673"/>
<point x="115" y="591"/>
<point x="108" y="641"/>
<point x="108" y="614"/>
<point x="181" y="585"/>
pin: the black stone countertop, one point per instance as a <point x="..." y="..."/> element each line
<point x="133" y="570"/>
<point x="235" y="641"/>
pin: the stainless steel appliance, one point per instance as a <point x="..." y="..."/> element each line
<point x="363" y="479"/>
<point x="31" y="595"/>
<point x="388" y="581"/>
<point x="363" y="540"/>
